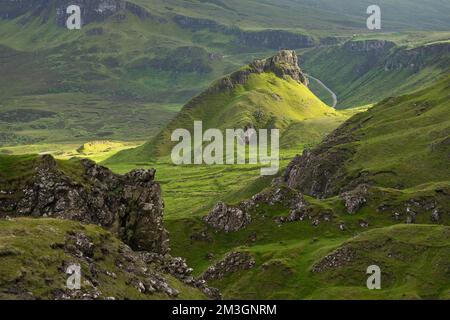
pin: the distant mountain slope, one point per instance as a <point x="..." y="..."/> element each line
<point x="366" y="71"/>
<point x="269" y="93"/>
<point x="313" y="15"/>
<point x="151" y="57"/>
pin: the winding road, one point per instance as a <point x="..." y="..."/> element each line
<point x="333" y="95"/>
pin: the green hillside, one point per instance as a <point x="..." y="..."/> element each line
<point x="399" y="143"/>
<point x="35" y="252"/>
<point x="247" y="98"/>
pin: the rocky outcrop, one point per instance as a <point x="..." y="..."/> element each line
<point x="178" y="268"/>
<point x="340" y="257"/>
<point x="354" y="200"/>
<point x="129" y="205"/>
<point x="231" y="263"/>
<point x="318" y="172"/>
<point x="284" y="64"/>
<point x="140" y="273"/>
<point x="227" y="218"/>
<point x="418" y="58"/>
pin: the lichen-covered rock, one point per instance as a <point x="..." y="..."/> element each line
<point x="354" y="200"/>
<point x="227" y="218"/>
<point x="231" y="263"/>
<point x="178" y="268"/>
<point x="336" y="259"/>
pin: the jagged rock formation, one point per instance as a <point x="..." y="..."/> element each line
<point x="354" y="200"/>
<point x="142" y="276"/>
<point x="129" y="205"/>
<point x="231" y="263"/>
<point x="44" y="250"/>
<point x="227" y="218"/>
<point x="283" y="64"/>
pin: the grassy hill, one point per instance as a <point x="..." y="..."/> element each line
<point x="248" y="98"/>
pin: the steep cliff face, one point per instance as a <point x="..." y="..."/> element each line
<point x="131" y="205"/>
<point x="274" y="39"/>
<point x="271" y="39"/>
<point x="91" y="10"/>
<point x="417" y="59"/>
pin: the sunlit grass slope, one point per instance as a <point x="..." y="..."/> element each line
<point x="265" y="101"/>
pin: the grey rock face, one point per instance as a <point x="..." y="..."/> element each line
<point x="369" y="45"/>
<point x="354" y="200"/>
<point x="283" y="64"/>
<point x="178" y="268"/>
<point x="232" y="262"/>
<point x="227" y="218"/>
<point x="129" y="205"/>
<point x="272" y="39"/>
